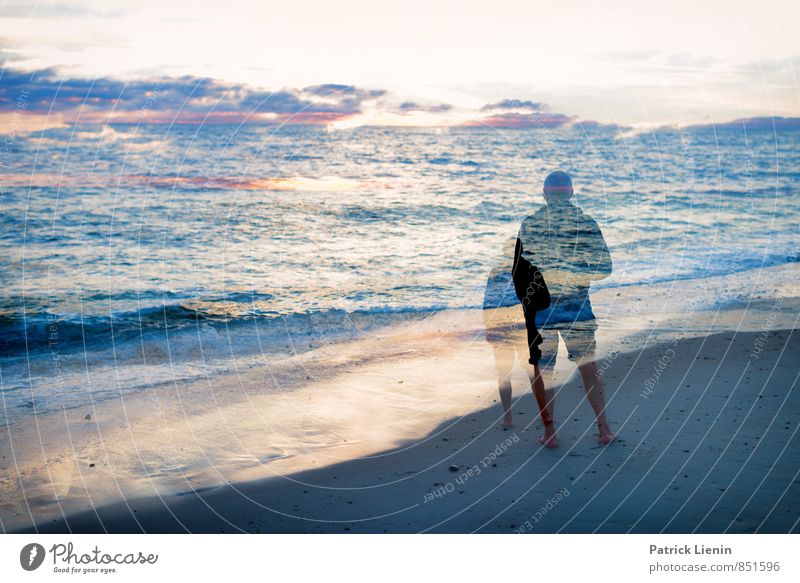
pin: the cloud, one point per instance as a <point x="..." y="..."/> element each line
<point x="690" y="61"/>
<point x="54" y="10"/>
<point x="513" y="104"/>
<point x="8" y="53"/>
<point x="186" y="99"/>
<point x="520" y="114"/>
<point x="522" y="120"/>
<point x="625" y="56"/>
<point x="407" y="107"/>
<point x="590" y="124"/>
<point x="338" y="90"/>
<point x="48" y="97"/>
<point x="756" y="123"/>
<point x="786" y="68"/>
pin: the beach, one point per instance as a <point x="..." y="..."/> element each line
<point x="381" y="270"/>
<point x="398" y="431"/>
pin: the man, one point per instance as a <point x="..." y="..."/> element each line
<point x="568" y="248"/>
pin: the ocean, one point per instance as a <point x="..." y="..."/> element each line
<point x="140" y="255"/>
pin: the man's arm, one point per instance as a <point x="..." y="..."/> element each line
<point x="598" y="256"/>
<point x="531" y="240"/>
<point x="519" y="271"/>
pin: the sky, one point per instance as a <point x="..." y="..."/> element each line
<point x="352" y="62"/>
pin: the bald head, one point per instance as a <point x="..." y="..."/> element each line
<point x="558" y="186"/>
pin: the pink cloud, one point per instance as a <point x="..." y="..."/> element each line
<point x="521" y="120"/>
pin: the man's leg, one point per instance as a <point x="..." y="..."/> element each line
<point x="541" y="376"/>
<point x="545" y="398"/>
<point x="504" y="363"/>
<point x="595" y="394"/>
<point x="505" y="399"/>
<point x="546" y="373"/>
<point x="504" y="359"/>
<point x="503" y="343"/>
<point x="581" y="345"/>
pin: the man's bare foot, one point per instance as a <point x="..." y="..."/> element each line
<point x="606" y="436"/>
<point x="549" y="437"/>
<point x="507" y="422"/>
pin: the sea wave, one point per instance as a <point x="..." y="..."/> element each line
<point x="164" y="314"/>
<point x="37" y="333"/>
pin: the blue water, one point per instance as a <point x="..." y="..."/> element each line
<point x="191" y="244"/>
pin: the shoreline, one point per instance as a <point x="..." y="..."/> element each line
<point x="362" y="400"/>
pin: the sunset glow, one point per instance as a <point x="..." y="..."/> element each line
<point x="422" y="65"/>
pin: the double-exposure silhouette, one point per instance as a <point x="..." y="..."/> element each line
<point x="549" y="267"/>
